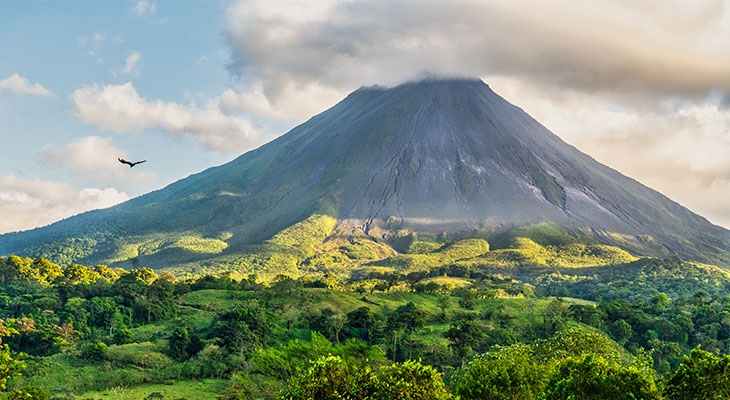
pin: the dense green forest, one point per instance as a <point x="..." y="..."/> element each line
<point x="97" y="332"/>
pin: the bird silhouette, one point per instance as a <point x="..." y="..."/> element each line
<point x="131" y="164"/>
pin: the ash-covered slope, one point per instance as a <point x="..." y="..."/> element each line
<point x="431" y="156"/>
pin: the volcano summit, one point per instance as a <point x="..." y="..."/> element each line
<point x="430" y="156"/>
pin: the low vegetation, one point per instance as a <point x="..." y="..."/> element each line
<point x="465" y="330"/>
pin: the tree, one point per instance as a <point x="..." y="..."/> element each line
<point x="586" y="314"/>
<point x="360" y="324"/>
<point x="407" y="317"/>
<point x="283" y="284"/>
<point x="593" y="377"/>
<point x="76" y="274"/>
<point x="95" y="351"/>
<point x="443" y="302"/>
<point x="47" y="271"/>
<point x="243" y="328"/>
<point x="9" y="365"/>
<point x="621" y="331"/>
<point x="179" y="342"/>
<point x="464" y="335"/>
<point x="144" y="274"/>
<point x="160" y="300"/>
<point x="30" y="392"/>
<point x="700" y="376"/>
<point x="554" y="317"/>
<point x="329" y="378"/>
<point x="505" y="373"/>
<point x="17" y="268"/>
<point x="123" y="335"/>
<point x="412" y="278"/>
<point x="661" y="300"/>
<point x="406" y="381"/>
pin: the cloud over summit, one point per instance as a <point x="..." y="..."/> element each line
<point x="628" y="47"/>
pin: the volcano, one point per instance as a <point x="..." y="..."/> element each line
<point x="439" y="155"/>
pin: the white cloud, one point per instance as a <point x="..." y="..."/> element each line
<point x="302" y="101"/>
<point x="96" y="157"/>
<point x="20" y="85"/>
<point x="145" y="8"/>
<point x="30" y="203"/>
<point x="590" y="46"/>
<point x="98" y="37"/>
<point x="120" y="108"/>
<point x="130" y="64"/>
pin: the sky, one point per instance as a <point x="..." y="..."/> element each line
<point x="642" y="86"/>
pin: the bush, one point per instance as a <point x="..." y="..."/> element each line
<point x="97" y="351"/>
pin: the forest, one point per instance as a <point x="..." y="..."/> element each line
<point x="452" y="332"/>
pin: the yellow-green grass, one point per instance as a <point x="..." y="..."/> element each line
<point x="211" y="299"/>
<point x="525" y="251"/>
<point x="148" y="245"/>
<point x="64" y="371"/>
<point x="193" y="390"/>
<point x="463" y="249"/>
<point x="189" y="317"/>
<point x="144" y="355"/>
<point x="447" y="280"/>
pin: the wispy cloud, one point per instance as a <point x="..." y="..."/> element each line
<point x="30" y="203"/>
<point x="20" y="85"/>
<point x="131" y="62"/>
<point x="145" y="8"/>
<point x="98" y="37"/>
<point x="130" y="65"/>
<point x="95" y="157"/>
<point x="120" y="108"/>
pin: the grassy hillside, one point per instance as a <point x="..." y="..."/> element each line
<point x="318" y="246"/>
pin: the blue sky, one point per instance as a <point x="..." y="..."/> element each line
<point x="69" y="45"/>
<point x="173" y="52"/>
<point x="192" y="84"/>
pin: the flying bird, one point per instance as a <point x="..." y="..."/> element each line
<point x="131" y="164"/>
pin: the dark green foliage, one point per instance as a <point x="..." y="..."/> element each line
<point x="362" y="324"/>
<point x="179" y="344"/>
<point x="409" y="380"/>
<point x="504" y="373"/>
<point x="96" y="351"/>
<point x="332" y="378"/>
<point x="122" y="335"/>
<point x="30" y="392"/>
<point x="700" y="376"/>
<point x="466" y="335"/>
<point x="407" y="318"/>
<point x="243" y="328"/>
<point x="571" y="363"/>
<point x="594" y="377"/>
<point x="329" y="378"/>
<point x="621" y="331"/>
<point x="291" y="358"/>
